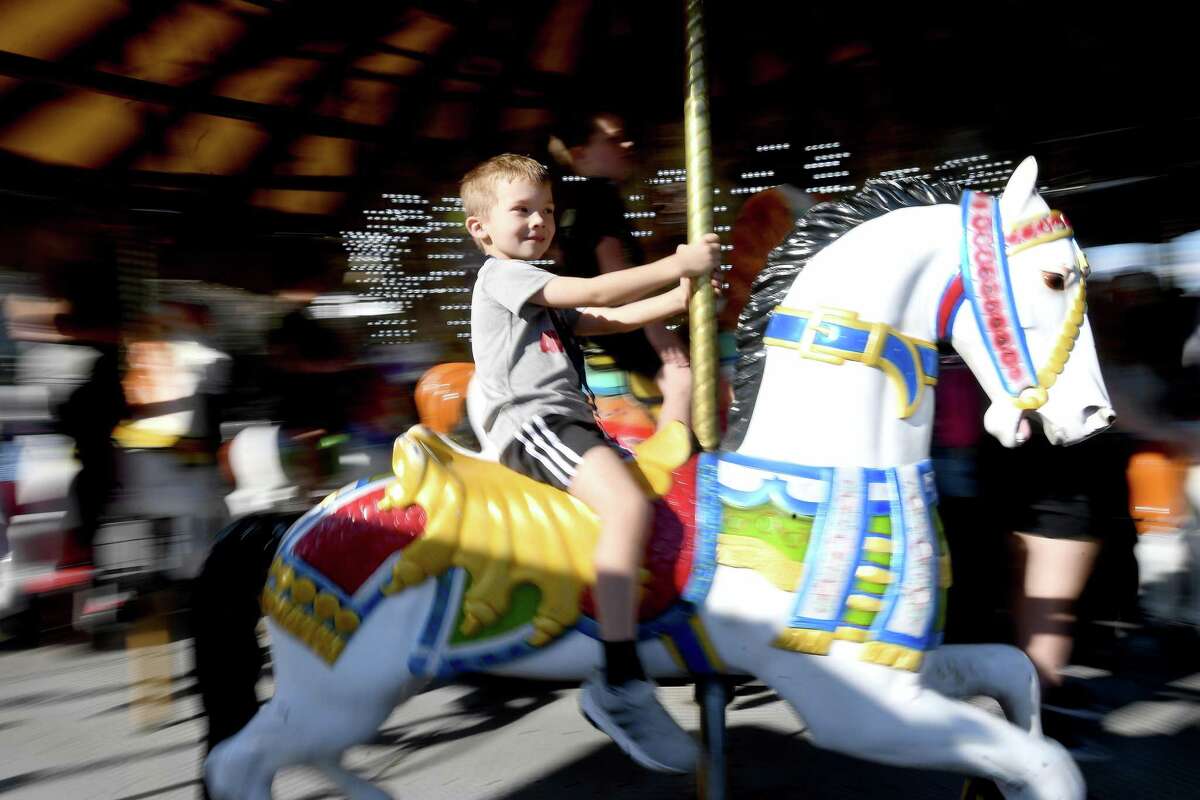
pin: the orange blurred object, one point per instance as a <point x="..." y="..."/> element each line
<point x="624" y="418"/>
<point x="1157" y="501"/>
<point x="441" y="395"/>
<point x="763" y="223"/>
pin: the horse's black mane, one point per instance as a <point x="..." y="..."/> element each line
<point x="815" y="230"/>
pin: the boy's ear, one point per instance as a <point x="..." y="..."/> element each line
<point x="475" y="228"/>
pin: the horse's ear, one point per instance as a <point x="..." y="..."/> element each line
<point x="1022" y="185"/>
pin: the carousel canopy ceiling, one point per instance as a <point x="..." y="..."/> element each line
<point x="291" y="101"/>
<point x="309" y="106"/>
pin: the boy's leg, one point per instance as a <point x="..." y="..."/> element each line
<point x="674" y="376"/>
<point x="623" y="704"/>
<point x="603" y="483"/>
<point x="577" y="456"/>
<point x="675" y="383"/>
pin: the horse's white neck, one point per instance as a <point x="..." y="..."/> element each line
<point x="891" y="270"/>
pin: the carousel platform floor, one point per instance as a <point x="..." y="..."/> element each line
<point x="77" y="723"/>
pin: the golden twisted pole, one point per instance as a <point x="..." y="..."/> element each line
<point x="698" y="155"/>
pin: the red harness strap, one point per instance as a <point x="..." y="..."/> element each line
<point x="952" y="298"/>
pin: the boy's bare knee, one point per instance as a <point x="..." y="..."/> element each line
<point x="630" y="507"/>
<point x="604" y="483"/>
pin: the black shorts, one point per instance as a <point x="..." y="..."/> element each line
<point x="1074" y="492"/>
<point x="549" y="448"/>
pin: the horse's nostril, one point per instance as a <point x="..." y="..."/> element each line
<point x="1105" y="414"/>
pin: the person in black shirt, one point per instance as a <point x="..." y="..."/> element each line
<point x="89" y="415"/>
<point x="594" y="237"/>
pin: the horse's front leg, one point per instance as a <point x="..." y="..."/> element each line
<point x="877" y="713"/>
<point x="999" y="671"/>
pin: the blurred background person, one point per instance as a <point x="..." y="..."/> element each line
<point x="594" y="236"/>
<point x="89" y="415"/>
<point x="1069" y="510"/>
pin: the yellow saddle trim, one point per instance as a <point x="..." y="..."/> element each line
<point x="506" y="529"/>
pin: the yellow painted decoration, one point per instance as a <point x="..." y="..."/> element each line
<point x="892" y="655"/>
<point x="642" y="386"/>
<point x="659" y="456"/>
<point x="284" y="581"/>
<point x="268" y="602"/>
<point x="1035" y="397"/>
<point x="505" y="529"/>
<point x="346" y="621"/>
<point x="849" y="634"/>
<point x="325" y="606"/>
<point x="750" y="552"/>
<point x="803" y="640"/>
<point x="307" y="628"/>
<point x="946" y="578"/>
<point x="877" y="544"/>
<point x="862" y="602"/>
<point x="303" y="591"/>
<point x="873" y="574"/>
<point x="600" y="360"/>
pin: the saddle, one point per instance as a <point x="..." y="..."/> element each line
<point x="525" y="548"/>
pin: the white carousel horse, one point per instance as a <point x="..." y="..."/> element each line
<point x="825" y="582"/>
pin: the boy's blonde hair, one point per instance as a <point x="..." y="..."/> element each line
<point x="478" y="190"/>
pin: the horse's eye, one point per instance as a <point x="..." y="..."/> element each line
<point x="1054" y="280"/>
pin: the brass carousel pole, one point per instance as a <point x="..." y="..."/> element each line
<point x="712" y="691"/>
<point x="698" y="154"/>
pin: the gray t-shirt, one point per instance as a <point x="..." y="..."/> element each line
<point x="522" y="367"/>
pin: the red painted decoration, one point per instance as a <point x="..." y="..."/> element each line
<point x="350" y="542"/>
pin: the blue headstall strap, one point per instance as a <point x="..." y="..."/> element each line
<point x="834" y="336"/>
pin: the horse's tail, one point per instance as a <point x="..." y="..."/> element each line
<point x="225" y="614"/>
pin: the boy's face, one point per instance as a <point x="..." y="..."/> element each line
<point x="520" y="224"/>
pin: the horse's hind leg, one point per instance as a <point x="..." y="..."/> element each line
<point x="243" y="766"/>
<point x="336" y="709"/>
<point x="343" y="727"/>
<point x="991" y="670"/>
<point x="315" y="716"/>
<point x="284" y="735"/>
<point x="319" y="711"/>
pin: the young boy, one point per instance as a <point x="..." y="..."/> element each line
<point x="536" y="410"/>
